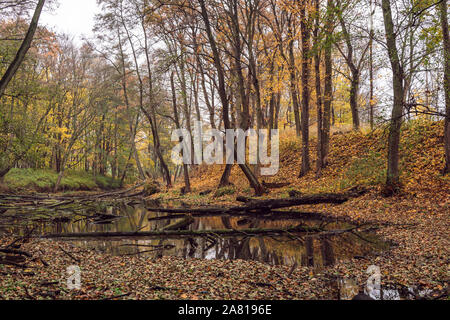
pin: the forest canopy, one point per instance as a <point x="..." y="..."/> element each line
<point x="108" y="105"/>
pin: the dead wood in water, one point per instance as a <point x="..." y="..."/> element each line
<point x="270" y="215"/>
<point x="269" y="204"/>
<point x="258" y="207"/>
<point x="181" y="224"/>
<point x="187" y="233"/>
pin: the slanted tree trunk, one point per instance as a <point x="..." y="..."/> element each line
<point x="254" y="183"/>
<point x="393" y="180"/>
<point x="25" y="46"/>
<point x="446" y="42"/>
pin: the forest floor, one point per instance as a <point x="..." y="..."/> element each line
<point x="415" y="223"/>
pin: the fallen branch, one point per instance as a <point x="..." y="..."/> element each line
<point x="269" y="204"/>
<point x="275" y="185"/>
<point x="14" y="251"/>
<point x="271" y="215"/>
<point x="69" y="255"/>
<point x="184" y="233"/>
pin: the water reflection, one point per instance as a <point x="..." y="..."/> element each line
<point x="308" y="250"/>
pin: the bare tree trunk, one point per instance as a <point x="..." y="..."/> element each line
<point x="446" y="41"/>
<point x="305" y="167"/>
<point x="187" y="183"/>
<point x="371" y="95"/>
<point x="354" y="89"/>
<point x="293" y="85"/>
<point x="393" y="180"/>
<point x="328" y="85"/>
<point x="319" y="164"/>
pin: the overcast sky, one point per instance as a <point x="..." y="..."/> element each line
<point x="75" y="17"/>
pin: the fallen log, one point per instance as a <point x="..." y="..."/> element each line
<point x="184" y="233"/>
<point x="275" y="185"/>
<point x="270" y="215"/>
<point x="180" y="224"/>
<point x="261" y="205"/>
<point x="268" y="204"/>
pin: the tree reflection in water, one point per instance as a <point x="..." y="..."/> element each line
<point x="308" y="250"/>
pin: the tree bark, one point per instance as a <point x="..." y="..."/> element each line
<point x="293" y="81"/>
<point x="393" y="180"/>
<point x="305" y="166"/>
<point x="319" y="163"/>
<point x="187" y="183"/>
<point x="328" y="84"/>
<point x="446" y="42"/>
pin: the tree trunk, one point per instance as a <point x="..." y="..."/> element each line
<point x="319" y="164"/>
<point x="187" y="183"/>
<point x="446" y="42"/>
<point x="305" y="167"/>
<point x="25" y="46"/>
<point x="293" y="87"/>
<point x="393" y="180"/>
<point x="328" y="84"/>
<point x="354" y="89"/>
<point x="371" y="95"/>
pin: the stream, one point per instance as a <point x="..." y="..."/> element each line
<point x="121" y="216"/>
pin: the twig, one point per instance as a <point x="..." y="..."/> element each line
<point x="68" y="254"/>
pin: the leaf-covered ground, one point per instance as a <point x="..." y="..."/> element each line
<point x="416" y="223"/>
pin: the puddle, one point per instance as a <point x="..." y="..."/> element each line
<point x="120" y="217"/>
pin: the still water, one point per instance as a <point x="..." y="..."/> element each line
<point x="286" y="249"/>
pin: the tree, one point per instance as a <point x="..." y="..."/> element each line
<point x="187" y="183"/>
<point x="354" y="64"/>
<point x="446" y="52"/>
<point x="393" y="181"/>
<point x="306" y="61"/>
<point x="222" y="93"/>
<point x="20" y="56"/>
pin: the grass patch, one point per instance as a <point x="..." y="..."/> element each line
<point x="44" y="180"/>
<point x="369" y="170"/>
<point x="229" y="190"/>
